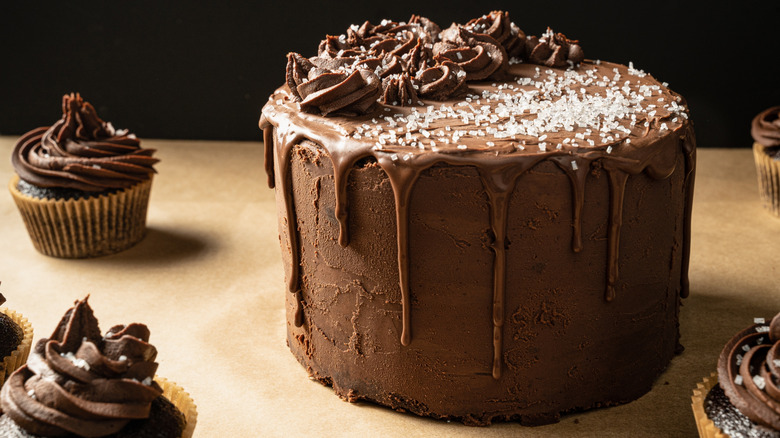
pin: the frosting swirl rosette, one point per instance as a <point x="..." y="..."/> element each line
<point x="749" y="372"/>
<point x="332" y="85"/>
<point x="81" y="152"/>
<point x="478" y="54"/>
<point x="554" y="50"/>
<point x="765" y="128"/>
<point x="498" y="26"/>
<point x="80" y="382"/>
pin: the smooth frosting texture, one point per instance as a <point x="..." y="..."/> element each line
<point x="749" y="372"/>
<point x="80" y="382"/>
<point x="765" y="128"/>
<point x="81" y="152"/>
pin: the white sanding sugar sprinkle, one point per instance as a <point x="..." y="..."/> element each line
<point x="762" y="329"/>
<point x="760" y="382"/>
<point x="738" y="380"/>
<point x="759" y="321"/>
<point x="551" y="110"/>
<point x="81" y="363"/>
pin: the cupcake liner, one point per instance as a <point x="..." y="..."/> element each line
<point x="182" y="400"/>
<point x="18" y="357"/>
<point x="768" y="170"/>
<point x="88" y="227"/>
<point x="707" y="428"/>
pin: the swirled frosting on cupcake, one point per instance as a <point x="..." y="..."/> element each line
<point x="749" y="372"/>
<point x="81" y="152"/>
<point x="80" y="382"/>
<point x="765" y="128"/>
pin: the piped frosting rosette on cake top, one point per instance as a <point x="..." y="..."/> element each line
<point x="749" y="378"/>
<point x="765" y="130"/>
<point x="82" y="186"/>
<point x="80" y="382"/>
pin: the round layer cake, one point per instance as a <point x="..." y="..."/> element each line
<point x="514" y="247"/>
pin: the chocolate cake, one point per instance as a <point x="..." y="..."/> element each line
<point x="479" y="225"/>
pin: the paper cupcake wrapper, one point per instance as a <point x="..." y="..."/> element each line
<point x="182" y="400"/>
<point x="88" y="227"/>
<point x="18" y="357"/>
<point x="768" y="170"/>
<point x="707" y="428"/>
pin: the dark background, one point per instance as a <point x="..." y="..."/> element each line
<point x="204" y="70"/>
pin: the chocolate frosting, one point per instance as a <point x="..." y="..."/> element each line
<point x="80" y="382"/>
<point x="399" y="90"/>
<point x="749" y="372"/>
<point x="503" y="130"/>
<point x="498" y="26"/>
<point x="766" y="127"/>
<point x="554" y="50"/>
<point x="478" y="54"/>
<point x="82" y="152"/>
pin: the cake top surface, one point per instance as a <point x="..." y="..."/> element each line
<point x="79" y="381"/>
<point x="749" y="372"/>
<point x="765" y="128"/>
<point x="82" y="152"/>
<point x="526" y="103"/>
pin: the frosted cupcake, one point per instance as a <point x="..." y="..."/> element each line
<point x="743" y="398"/>
<point x="766" y="150"/>
<point x="79" y="383"/>
<point x="15" y="340"/>
<point x="82" y="187"/>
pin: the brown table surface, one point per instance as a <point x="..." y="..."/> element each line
<point x="208" y="281"/>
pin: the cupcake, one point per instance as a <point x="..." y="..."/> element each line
<point x="82" y="187"/>
<point x="743" y="398"/>
<point x="78" y="383"/>
<point x="15" y="340"/>
<point x="766" y="150"/>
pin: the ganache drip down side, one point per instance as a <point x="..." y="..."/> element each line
<point x="81" y="152"/>
<point x="80" y="382"/>
<point x="500" y="165"/>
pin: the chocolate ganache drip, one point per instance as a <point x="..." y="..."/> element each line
<point x="82" y="152"/>
<point x="80" y="382"/>
<point x="749" y="372"/>
<point x="766" y="127"/>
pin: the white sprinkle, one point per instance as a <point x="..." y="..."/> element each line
<point x="776" y="362"/>
<point x="394" y="157"/>
<point x="147" y="381"/>
<point x="746" y="347"/>
<point x="490" y="143"/>
<point x="609" y="149"/>
<point x="462" y="146"/>
<point x="739" y="359"/>
<point x="81" y="363"/>
<point x="542" y="147"/>
<point x="574" y="165"/>
<point x="759" y="381"/>
<point x="122" y="358"/>
<point x="738" y="380"/>
<point x="759" y="321"/>
<point x="543" y="138"/>
<point x="31" y="393"/>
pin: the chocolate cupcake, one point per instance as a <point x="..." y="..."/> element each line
<point x="78" y="383"/>
<point x="15" y="340"/>
<point x="743" y="398"/>
<point x="766" y="150"/>
<point x="82" y="187"/>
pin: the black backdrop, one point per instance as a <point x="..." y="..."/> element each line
<point x="203" y="70"/>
